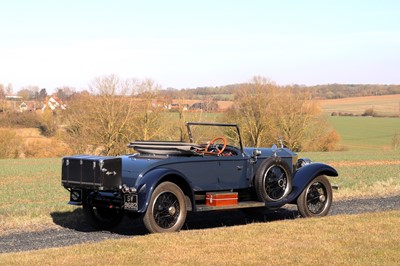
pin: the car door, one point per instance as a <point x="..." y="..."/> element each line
<point x="233" y="172"/>
<point x="212" y="173"/>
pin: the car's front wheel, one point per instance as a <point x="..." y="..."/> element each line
<point x="316" y="198"/>
<point x="102" y="218"/>
<point x="167" y="209"/>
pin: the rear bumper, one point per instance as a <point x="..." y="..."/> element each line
<point x="102" y="199"/>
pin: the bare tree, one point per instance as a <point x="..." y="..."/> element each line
<point x="29" y="92"/>
<point x="105" y="120"/>
<point x="42" y="94"/>
<point x="149" y="111"/>
<point x="65" y="92"/>
<point x="252" y="110"/>
<point x="102" y="118"/>
<point x="294" y="113"/>
<point x="9" y="89"/>
<point x="266" y="112"/>
<point x="2" y="92"/>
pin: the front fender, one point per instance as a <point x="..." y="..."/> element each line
<point x="308" y="172"/>
<point x="302" y="178"/>
<point x="151" y="179"/>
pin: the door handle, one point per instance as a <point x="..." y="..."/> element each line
<point x="239" y="168"/>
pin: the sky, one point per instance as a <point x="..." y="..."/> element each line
<point x="189" y="44"/>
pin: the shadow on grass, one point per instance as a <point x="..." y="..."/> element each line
<point x="75" y="220"/>
<point x="201" y="220"/>
<point x="205" y="220"/>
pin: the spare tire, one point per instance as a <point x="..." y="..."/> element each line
<point x="273" y="180"/>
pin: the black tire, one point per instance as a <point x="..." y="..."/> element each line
<point x="273" y="180"/>
<point x="102" y="218"/>
<point x="167" y="209"/>
<point x="316" y="198"/>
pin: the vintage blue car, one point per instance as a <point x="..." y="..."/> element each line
<point x="166" y="179"/>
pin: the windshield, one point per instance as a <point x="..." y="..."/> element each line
<point x="201" y="133"/>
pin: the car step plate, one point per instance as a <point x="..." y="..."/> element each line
<point x="240" y="205"/>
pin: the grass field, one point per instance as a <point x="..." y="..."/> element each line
<point x="385" y="105"/>
<point x="31" y="194"/>
<point x="30" y="190"/>
<point x="366" y="133"/>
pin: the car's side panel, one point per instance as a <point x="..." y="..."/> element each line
<point x="234" y="173"/>
<point x="199" y="174"/>
<point x="209" y="173"/>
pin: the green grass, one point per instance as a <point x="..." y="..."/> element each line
<point x="367" y="180"/>
<point x="385" y="105"/>
<point x="30" y="189"/>
<point x="362" y="173"/>
<point x="366" y="133"/>
<point x="352" y="155"/>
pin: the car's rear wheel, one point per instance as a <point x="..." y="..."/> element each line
<point x="167" y="209"/>
<point x="273" y="181"/>
<point x="102" y="218"/>
<point x="316" y="198"/>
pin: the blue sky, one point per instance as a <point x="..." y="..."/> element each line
<point x="187" y="44"/>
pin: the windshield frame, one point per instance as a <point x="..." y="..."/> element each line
<point x="189" y="124"/>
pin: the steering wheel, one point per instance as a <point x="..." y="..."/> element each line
<point x="215" y="147"/>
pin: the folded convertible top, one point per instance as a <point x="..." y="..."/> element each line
<point x="165" y="147"/>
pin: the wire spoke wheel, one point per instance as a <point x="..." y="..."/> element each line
<point x="316" y="198"/>
<point x="167" y="209"/>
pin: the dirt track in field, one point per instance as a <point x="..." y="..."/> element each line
<point x="79" y="233"/>
<point x="363" y="163"/>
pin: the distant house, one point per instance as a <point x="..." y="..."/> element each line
<point x="13" y="98"/>
<point x="11" y="103"/>
<point x="23" y="107"/>
<point x="53" y="103"/>
<point x="28" y="106"/>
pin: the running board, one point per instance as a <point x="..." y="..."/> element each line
<point x="240" y="205"/>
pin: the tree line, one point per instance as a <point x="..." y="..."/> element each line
<point x="327" y="91"/>
<point x="114" y="111"/>
<point x="226" y="92"/>
<point x="118" y="111"/>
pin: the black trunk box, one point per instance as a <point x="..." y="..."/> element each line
<point x="92" y="172"/>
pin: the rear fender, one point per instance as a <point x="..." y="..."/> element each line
<point x="302" y="178"/>
<point x="151" y="179"/>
